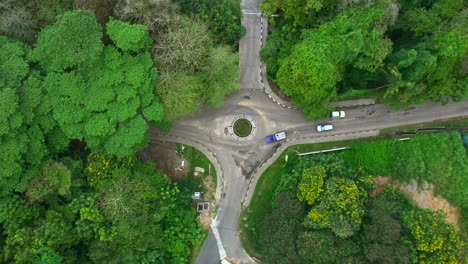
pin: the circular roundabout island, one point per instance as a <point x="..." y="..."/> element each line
<point x="242" y="127"/>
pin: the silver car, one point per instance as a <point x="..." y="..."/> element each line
<point x="324" y="127"/>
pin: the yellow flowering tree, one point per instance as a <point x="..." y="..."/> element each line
<point x="341" y="207"/>
<point x="311" y="184"/>
<point x="430" y="238"/>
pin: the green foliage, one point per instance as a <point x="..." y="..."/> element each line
<point x="433" y="49"/>
<point x="323" y="246"/>
<point x="220" y="76"/>
<point x="430" y="238"/>
<point x="48" y="10"/>
<point x="376" y="157"/>
<point x="128" y="37"/>
<point x="223" y="18"/>
<point x="299" y="11"/>
<point x="73" y="41"/>
<point x="179" y="93"/>
<point x="347" y="225"/>
<point x="354" y="38"/>
<point x="118" y="210"/>
<point x="279" y="229"/>
<point x="340" y="208"/>
<point x="382" y="235"/>
<point x="438" y="158"/>
<point x="311" y="184"/>
<point x="196" y="68"/>
<point x="106" y="101"/>
<point x="16" y="213"/>
<point x="54" y="179"/>
<point x="321" y="49"/>
<point x="25" y="119"/>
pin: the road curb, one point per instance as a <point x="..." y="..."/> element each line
<point x="263" y="79"/>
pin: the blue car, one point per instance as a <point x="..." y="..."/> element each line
<point x="275" y="137"/>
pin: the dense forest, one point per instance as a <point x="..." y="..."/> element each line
<point x="80" y="83"/>
<point x="405" y="51"/>
<point x="325" y="208"/>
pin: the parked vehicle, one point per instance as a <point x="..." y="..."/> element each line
<point x="324" y="127"/>
<point x="338" y="114"/>
<point x="275" y="137"/>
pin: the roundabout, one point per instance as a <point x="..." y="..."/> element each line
<point x="242" y="127"/>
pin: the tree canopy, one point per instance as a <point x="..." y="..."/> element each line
<point x="337" y="216"/>
<point x="405" y="52"/>
<point x="73" y="41"/>
<point x="353" y="38"/>
<point x="109" y="97"/>
<point x="106" y="210"/>
<point x="25" y="122"/>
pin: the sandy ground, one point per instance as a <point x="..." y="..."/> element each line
<point x="423" y="196"/>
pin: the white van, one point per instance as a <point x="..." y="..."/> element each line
<point x="324" y="127"/>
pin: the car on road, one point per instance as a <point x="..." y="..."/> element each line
<point x="338" y="114"/>
<point x="324" y="127"/>
<point x="275" y="137"/>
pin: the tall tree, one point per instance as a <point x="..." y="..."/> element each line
<point x="184" y="47"/>
<point x="220" y="76"/>
<point x="179" y="92"/>
<point x="430" y="238"/>
<point x="430" y="62"/>
<point x="311" y="184"/>
<point x="340" y="208"/>
<point x="16" y="20"/>
<point x="25" y="122"/>
<point x="128" y="37"/>
<point x="110" y="97"/>
<point x="73" y="41"/>
<point x="223" y="18"/>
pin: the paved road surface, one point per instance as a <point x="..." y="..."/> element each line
<point x="235" y="160"/>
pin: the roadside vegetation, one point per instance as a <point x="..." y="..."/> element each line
<point x="80" y="82"/>
<point x="324" y="208"/>
<point x="404" y="52"/>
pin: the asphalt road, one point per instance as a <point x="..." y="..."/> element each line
<point x="209" y="130"/>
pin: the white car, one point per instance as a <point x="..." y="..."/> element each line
<point x="338" y="114"/>
<point x="324" y="127"/>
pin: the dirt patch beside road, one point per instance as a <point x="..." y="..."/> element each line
<point x="423" y="196"/>
<point x="168" y="159"/>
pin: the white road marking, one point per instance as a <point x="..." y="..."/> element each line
<point x="221" y="251"/>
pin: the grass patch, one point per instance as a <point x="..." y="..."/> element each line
<point x="196" y="159"/>
<point x="260" y="205"/>
<point x="242" y="127"/>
